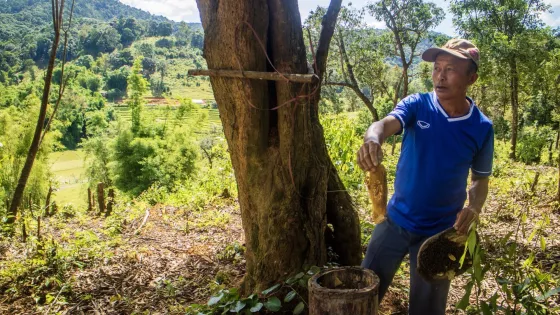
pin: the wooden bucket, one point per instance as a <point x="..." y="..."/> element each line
<point x="344" y="291"/>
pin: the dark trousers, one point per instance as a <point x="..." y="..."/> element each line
<point x="386" y="250"/>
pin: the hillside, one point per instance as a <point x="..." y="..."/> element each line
<point x="96" y="9"/>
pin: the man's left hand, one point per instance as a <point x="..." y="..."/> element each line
<point x="464" y="219"/>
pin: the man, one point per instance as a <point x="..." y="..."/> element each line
<point x="445" y="136"/>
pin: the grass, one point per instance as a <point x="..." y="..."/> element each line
<point x="68" y="168"/>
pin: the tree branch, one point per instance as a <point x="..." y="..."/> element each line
<point x="346" y="84"/>
<point x="327" y="31"/>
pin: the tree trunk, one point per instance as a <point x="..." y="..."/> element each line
<point x="557" y="137"/>
<point x="550" y="162"/>
<point x="100" y="198"/>
<point x="279" y="156"/>
<point x="514" y="89"/>
<point x="558" y="195"/>
<point x="23" y="229"/>
<point x="34" y="148"/>
<point x="355" y="86"/>
<point x="54" y="208"/>
<point x="110" y="202"/>
<point x="405" y="79"/>
<point x="48" y="202"/>
<point x="39" y="228"/>
<point x="90" y="200"/>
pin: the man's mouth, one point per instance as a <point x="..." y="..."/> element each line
<point x="440" y="88"/>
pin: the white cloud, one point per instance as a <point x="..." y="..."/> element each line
<point x="552" y="2"/>
<point x="376" y="24"/>
<point x="177" y="10"/>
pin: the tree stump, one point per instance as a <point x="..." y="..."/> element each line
<point x="48" y="202"/>
<point x="101" y="197"/>
<point x="347" y="290"/>
<point x="110" y="202"/>
<point x="90" y="200"/>
<point x="54" y="209"/>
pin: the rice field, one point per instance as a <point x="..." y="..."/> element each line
<point x="200" y="120"/>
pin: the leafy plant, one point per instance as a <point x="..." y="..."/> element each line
<point x="274" y="299"/>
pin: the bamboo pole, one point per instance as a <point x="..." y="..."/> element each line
<point x="271" y="76"/>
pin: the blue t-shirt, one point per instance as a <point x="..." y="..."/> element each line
<point x="433" y="168"/>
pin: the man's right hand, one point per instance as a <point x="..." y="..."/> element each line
<point x="370" y="155"/>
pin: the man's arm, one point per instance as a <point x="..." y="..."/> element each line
<point x="477" y="196"/>
<point x="370" y="154"/>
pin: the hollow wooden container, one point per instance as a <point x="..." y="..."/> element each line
<point x="341" y="291"/>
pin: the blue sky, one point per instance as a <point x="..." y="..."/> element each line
<point x="186" y="10"/>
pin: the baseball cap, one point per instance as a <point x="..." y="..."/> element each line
<point x="457" y="47"/>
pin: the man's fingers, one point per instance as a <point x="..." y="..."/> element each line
<point x="359" y="159"/>
<point x="372" y="150"/>
<point x="464" y="220"/>
<point x="369" y="156"/>
<point x="365" y="158"/>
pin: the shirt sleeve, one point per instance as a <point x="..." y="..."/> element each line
<point x="405" y="111"/>
<point x="482" y="163"/>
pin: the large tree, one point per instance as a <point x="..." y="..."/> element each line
<point x="356" y="59"/>
<point x="289" y="190"/>
<point x="503" y="30"/>
<point x="409" y="21"/>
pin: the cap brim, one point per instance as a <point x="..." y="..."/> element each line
<point x="431" y="53"/>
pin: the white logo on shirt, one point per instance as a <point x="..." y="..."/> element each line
<point x="423" y="124"/>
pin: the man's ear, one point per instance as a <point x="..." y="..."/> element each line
<point x="473" y="78"/>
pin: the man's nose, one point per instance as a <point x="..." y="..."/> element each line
<point x="442" y="76"/>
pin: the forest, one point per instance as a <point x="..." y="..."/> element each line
<point x="128" y="186"/>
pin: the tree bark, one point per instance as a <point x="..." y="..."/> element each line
<point x="48" y="202"/>
<point x="90" y="200"/>
<point x="405" y="80"/>
<point x="514" y="89"/>
<point x="101" y="198"/>
<point x="110" y="202"/>
<point x="279" y="155"/>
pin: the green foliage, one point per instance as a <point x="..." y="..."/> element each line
<point x="287" y="296"/>
<point x="140" y="162"/>
<point x="164" y="43"/>
<point x="531" y="143"/>
<point x="137" y="87"/>
<point x="101" y="39"/>
<point x="121" y="58"/>
<point x="118" y="80"/>
<point x="16" y="133"/>
<point x="343" y="143"/>
<point x="86" y="61"/>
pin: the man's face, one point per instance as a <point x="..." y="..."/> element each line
<point x="451" y="76"/>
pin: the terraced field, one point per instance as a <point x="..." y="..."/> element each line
<point x="201" y="120"/>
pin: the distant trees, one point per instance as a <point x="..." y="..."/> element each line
<point x="101" y="39"/>
<point x="160" y="29"/>
<point x="504" y="31"/>
<point x="409" y="22"/>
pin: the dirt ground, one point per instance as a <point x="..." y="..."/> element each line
<point x="177" y="258"/>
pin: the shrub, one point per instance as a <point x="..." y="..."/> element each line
<point x="531" y="142"/>
<point x="164" y="43"/>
